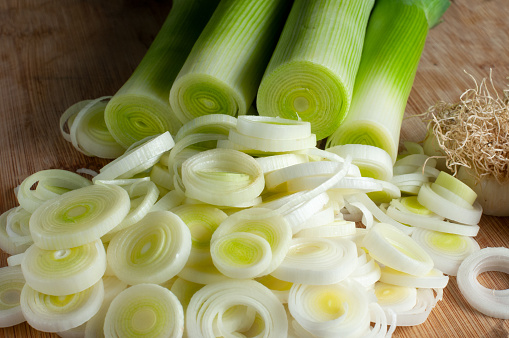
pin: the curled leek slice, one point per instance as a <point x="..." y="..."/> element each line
<point x="145" y="310"/>
<point x="426" y="301"/>
<point x="447" y="250"/>
<point x="210" y="308"/>
<point x="443" y="207"/>
<point x="271" y="145"/>
<point x="236" y="175"/>
<point x="275" y="162"/>
<point x="318" y="261"/>
<point x="372" y="161"/>
<point x="6" y="242"/>
<point x="17" y="227"/>
<point x="434" y="279"/>
<point x="335" y="310"/>
<point x="274" y="237"/>
<point x="493" y="303"/>
<point x="367" y="272"/>
<point x="152" y="251"/>
<point x="60" y="313"/>
<point x="139" y="157"/>
<point x="78" y="216"/>
<point x="64" y="272"/>
<point x="88" y="132"/>
<point x="393" y="248"/>
<point x="11" y="284"/>
<point x="50" y="183"/>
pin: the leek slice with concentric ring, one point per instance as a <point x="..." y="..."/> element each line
<point x="11" y="284"/>
<point x="64" y="272"/>
<point x="210" y="308"/>
<point x="6" y="242"/>
<point x="49" y="313"/>
<point x="78" y="216"/>
<point x="145" y="310"/>
<point x="152" y="251"/>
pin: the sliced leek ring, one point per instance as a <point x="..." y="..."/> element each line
<point x="153" y="250"/>
<point x="395" y="297"/>
<point x="6" y="242"/>
<point x="434" y="279"/>
<point x="64" y="272"/>
<point x="11" y="284"/>
<point x="273" y="128"/>
<point x="393" y="248"/>
<point x="210" y="124"/>
<point x="271" y="145"/>
<point x="78" y="217"/>
<point x="60" y="313"/>
<point x="145" y="310"/>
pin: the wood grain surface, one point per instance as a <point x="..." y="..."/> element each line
<point x="55" y="53"/>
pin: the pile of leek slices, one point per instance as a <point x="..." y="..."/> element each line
<point x="238" y="227"/>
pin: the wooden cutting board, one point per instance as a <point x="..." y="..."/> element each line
<point x="55" y="53"/>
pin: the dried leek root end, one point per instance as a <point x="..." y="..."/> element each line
<point x="473" y="136"/>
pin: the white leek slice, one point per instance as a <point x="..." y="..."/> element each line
<point x="60" y="313"/>
<point x="367" y="272"/>
<point x="275" y="162"/>
<point x="79" y="216"/>
<point x="210" y="124"/>
<point x="447" y="250"/>
<point x="411" y="213"/>
<point x="334" y="229"/>
<point x="6" y="243"/>
<point x="17" y="227"/>
<point x="147" y="310"/>
<point x="273" y="128"/>
<point x="372" y="161"/>
<point x="160" y="175"/>
<point x="388" y="193"/>
<point x="15" y="260"/>
<point x="210" y="305"/>
<point x="335" y="310"/>
<point x="236" y="175"/>
<point x="64" y="272"/>
<point x="137" y="159"/>
<point x="68" y="116"/>
<point x="271" y="145"/>
<point x="347" y="185"/>
<point x="271" y="227"/>
<point x="152" y="251"/>
<point x="317" y="261"/>
<point x="443" y="207"/>
<point x="395" y="297"/>
<point x="324" y="217"/>
<point x="202" y="271"/>
<point x="393" y="248"/>
<point x="426" y="301"/>
<point x="169" y="201"/>
<point x="493" y="303"/>
<point x="11" y="284"/>
<point x="52" y="182"/>
<point x="434" y="279"/>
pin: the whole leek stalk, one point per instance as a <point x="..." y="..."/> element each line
<point x="141" y="108"/>
<point x="312" y="72"/>
<point x="225" y="67"/>
<point x="395" y="38"/>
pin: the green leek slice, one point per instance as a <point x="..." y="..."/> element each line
<point x="145" y="310"/>
<point x="394" y="42"/>
<point x="153" y="250"/>
<point x="79" y="216"/>
<point x="11" y="284"/>
<point x="64" y="272"/>
<point x="312" y="71"/>
<point x="223" y="70"/>
<point x="140" y="108"/>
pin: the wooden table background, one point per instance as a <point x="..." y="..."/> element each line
<point x="55" y="53"/>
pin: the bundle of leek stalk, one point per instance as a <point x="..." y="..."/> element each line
<point x="217" y="217"/>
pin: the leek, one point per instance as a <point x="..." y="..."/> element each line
<point x="312" y="71"/>
<point x="394" y="42"/>
<point x="223" y="70"/>
<point x="11" y="284"/>
<point x="141" y="108"/>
